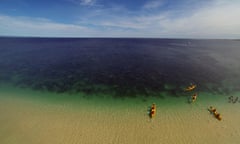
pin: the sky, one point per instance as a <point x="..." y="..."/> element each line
<point x="121" y="18"/>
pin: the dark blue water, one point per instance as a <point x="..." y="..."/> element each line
<point x="122" y="67"/>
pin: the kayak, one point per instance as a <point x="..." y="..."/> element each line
<point x="190" y="88"/>
<point x="215" y="113"/>
<point x="218" y="116"/>
<point x="194" y="97"/>
<point x="153" y="110"/>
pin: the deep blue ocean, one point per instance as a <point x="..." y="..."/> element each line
<point x="120" y="66"/>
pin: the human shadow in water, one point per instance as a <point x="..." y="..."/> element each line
<point x="149" y="111"/>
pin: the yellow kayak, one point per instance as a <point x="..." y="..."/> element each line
<point x="191" y="87"/>
<point x="194" y="97"/>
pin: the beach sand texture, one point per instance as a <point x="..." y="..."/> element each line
<point x="28" y="121"/>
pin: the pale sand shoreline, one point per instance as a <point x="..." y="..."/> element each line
<point x="26" y="121"/>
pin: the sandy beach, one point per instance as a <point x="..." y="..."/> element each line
<point x="25" y="120"/>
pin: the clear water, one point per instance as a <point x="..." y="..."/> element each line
<point x="120" y="67"/>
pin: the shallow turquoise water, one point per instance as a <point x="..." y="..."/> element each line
<point x="103" y="101"/>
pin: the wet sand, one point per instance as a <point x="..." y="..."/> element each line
<point x="25" y="120"/>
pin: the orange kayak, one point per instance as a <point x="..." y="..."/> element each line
<point x="153" y="110"/>
<point x="218" y="116"/>
<point x="215" y="113"/>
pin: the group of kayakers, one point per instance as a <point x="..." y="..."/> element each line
<point x="191" y="88"/>
<point x="152" y="110"/>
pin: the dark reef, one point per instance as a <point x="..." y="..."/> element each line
<point x="121" y="67"/>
